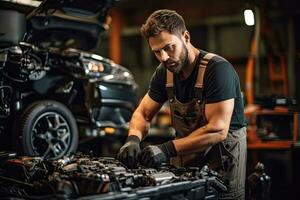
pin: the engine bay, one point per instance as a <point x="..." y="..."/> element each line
<point x="82" y="176"/>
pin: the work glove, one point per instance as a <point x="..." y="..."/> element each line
<point x="155" y="155"/>
<point x="128" y="153"/>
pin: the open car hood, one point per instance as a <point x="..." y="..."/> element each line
<point x="68" y="23"/>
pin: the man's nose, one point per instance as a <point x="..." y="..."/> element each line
<point x="164" y="56"/>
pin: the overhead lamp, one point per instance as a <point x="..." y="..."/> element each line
<point x="249" y="17"/>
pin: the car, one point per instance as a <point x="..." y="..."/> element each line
<point x="52" y="88"/>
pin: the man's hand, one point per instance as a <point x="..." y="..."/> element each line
<point x="155" y="155"/>
<point x="128" y="153"/>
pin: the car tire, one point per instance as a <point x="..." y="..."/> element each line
<point x="47" y="129"/>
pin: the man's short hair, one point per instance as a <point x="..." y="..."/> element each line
<point x="163" y="20"/>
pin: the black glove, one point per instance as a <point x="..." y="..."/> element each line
<point x="155" y="155"/>
<point x="128" y="153"/>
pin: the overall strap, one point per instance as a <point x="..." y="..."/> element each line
<point x="200" y="77"/>
<point x="170" y="86"/>
<point x="199" y="82"/>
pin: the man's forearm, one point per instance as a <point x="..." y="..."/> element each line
<point x="200" y="139"/>
<point x="138" y="125"/>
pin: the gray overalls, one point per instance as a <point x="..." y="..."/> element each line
<point x="228" y="157"/>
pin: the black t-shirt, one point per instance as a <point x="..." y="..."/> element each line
<point x="221" y="82"/>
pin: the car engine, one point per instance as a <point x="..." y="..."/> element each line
<point x="83" y="176"/>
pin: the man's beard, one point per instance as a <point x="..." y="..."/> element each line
<point x="176" y="66"/>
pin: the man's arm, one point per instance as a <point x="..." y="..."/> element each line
<point x="218" y="116"/>
<point x="142" y="116"/>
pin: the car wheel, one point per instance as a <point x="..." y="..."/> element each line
<point x="47" y="129"/>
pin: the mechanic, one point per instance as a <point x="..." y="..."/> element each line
<point x="203" y="92"/>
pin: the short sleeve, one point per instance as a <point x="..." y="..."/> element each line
<point x="157" y="89"/>
<point x="220" y="82"/>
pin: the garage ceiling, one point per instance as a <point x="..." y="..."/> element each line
<point x="136" y="11"/>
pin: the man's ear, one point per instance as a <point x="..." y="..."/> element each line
<point x="186" y="36"/>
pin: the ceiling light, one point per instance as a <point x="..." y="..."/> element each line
<point x="249" y="17"/>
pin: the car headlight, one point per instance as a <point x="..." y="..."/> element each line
<point x="93" y="68"/>
<point x="120" y="74"/>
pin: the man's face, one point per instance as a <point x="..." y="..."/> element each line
<point x="170" y="50"/>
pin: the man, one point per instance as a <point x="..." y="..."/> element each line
<point x="204" y="94"/>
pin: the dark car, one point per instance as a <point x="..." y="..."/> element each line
<point x="51" y="88"/>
